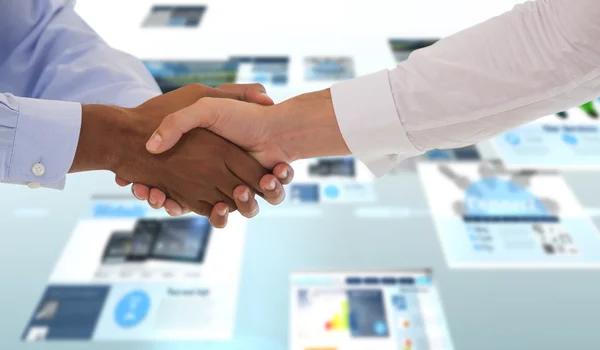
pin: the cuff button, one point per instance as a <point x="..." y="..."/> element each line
<point x="33" y="185"/>
<point x="38" y="169"/>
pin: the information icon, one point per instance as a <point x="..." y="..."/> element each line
<point x="132" y="309"/>
<point x="513" y="139"/>
<point x="332" y="192"/>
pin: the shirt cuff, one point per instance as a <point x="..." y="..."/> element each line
<point x="45" y="142"/>
<point x="369" y="122"/>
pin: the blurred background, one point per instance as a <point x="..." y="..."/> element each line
<point x="493" y="246"/>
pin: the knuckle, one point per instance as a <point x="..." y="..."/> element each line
<point x="260" y="87"/>
<point x="210" y="105"/>
<point x="198" y="87"/>
<point x="170" y="121"/>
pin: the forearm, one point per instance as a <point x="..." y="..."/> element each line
<point x="103" y="139"/>
<point x="539" y="58"/>
<point x="309" y="128"/>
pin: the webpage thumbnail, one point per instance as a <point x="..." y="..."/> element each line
<point x="328" y="68"/>
<point x="486" y="216"/>
<point x="269" y="71"/>
<point x="566" y="140"/>
<point x="173" y="74"/>
<point x="367" y="310"/>
<point x="464" y="154"/>
<point x="469" y="153"/>
<point x="402" y="48"/>
<point x="128" y="275"/>
<point x="331" y="179"/>
<point x="174" y="16"/>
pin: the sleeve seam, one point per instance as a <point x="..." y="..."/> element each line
<point x="14" y="145"/>
<point x="398" y="114"/>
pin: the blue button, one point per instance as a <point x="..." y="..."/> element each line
<point x="371" y="280"/>
<point x="423" y="281"/>
<point x="132" y="309"/>
<point x="406" y="280"/>
<point x="512" y="139"/>
<point x="332" y="192"/>
<point x="569" y="139"/>
<point x="353" y="280"/>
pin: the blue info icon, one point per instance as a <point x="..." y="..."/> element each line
<point x="332" y="191"/>
<point x="569" y="139"/>
<point x="132" y="309"/>
<point x="512" y="139"/>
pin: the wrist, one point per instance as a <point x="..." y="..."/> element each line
<point x="103" y="138"/>
<point x="307" y="127"/>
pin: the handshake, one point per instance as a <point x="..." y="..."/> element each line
<point x="208" y="150"/>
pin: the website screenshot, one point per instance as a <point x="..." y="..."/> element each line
<point x="332" y="180"/>
<point x="567" y="140"/>
<point x="396" y="310"/>
<point x="486" y="217"/>
<point x="129" y="272"/>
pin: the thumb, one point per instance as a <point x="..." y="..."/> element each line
<point x="201" y="114"/>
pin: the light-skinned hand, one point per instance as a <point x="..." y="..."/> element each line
<point x="271" y="184"/>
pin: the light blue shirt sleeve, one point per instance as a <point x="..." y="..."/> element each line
<point x="51" y="62"/>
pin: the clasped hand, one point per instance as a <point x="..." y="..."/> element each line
<point x="201" y="171"/>
<point x="212" y="175"/>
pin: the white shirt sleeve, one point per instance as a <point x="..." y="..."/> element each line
<point x="539" y="58"/>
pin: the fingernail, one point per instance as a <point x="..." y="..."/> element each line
<point x="167" y="210"/>
<point x="284" y="174"/>
<point x="154" y="143"/>
<point x="271" y="186"/>
<point x="223" y="212"/>
<point x="245" y="196"/>
<point x="152" y="200"/>
<point x="134" y="193"/>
